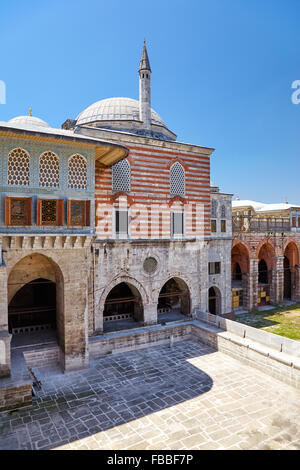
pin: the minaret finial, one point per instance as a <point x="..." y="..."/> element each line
<point x="145" y="89"/>
<point x="30" y="111"/>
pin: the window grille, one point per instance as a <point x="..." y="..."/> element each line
<point x="18" y="211"/>
<point x="177" y="223"/>
<point x="77" y="172"/>
<point x="121" y="176"/>
<point x="214" y="268"/>
<point x="121" y="220"/>
<point x="150" y="265"/>
<point x="177" y="180"/>
<point x="78" y="213"/>
<point x="213" y="225"/>
<point x="223" y="212"/>
<point x="214" y="206"/>
<point x="49" y="170"/>
<point x="18" y="167"/>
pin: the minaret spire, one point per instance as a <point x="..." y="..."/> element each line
<point x="145" y="89"/>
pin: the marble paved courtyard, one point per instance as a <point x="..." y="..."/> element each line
<point x="185" y="397"/>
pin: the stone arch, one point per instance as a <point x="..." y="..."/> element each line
<point x="123" y="302"/>
<point x="266" y="274"/>
<point x="33" y="267"/>
<point x="134" y="285"/>
<point x="214" y="300"/>
<point x="240" y="254"/>
<point x="174" y="296"/>
<point x="266" y="251"/>
<point x="291" y="278"/>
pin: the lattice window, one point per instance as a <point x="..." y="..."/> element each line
<point x="121" y="176"/>
<point x="77" y="172"/>
<point x="223" y="212"/>
<point x="18" y="211"/>
<point x="50" y="212"/>
<point x="177" y="180"/>
<point x="214" y="206"/>
<point x="49" y="170"/>
<point x="18" y="167"/>
<point x="79" y="213"/>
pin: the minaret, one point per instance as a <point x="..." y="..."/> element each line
<point x="145" y="89"/>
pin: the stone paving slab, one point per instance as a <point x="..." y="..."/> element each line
<point x="186" y="397"/>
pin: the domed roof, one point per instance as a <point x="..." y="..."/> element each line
<point x="115" y="109"/>
<point x="28" y="121"/>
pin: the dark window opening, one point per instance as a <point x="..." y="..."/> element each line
<point x="214" y="268"/>
<point x="121" y="222"/>
<point x="262" y="272"/>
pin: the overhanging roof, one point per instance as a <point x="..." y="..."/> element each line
<point x="106" y="153"/>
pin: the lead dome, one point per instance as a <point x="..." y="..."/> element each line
<point x="115" y="109"/>
<point x="28" y="121"/>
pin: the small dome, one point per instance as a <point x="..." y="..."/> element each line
<point x="116" y="109"/>
<point x="28" y="121"/>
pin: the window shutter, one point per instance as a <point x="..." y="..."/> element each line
<point x="69" y="212"/>
<point x="87" y="213"/>
<point x="60" y="212"/>
<point x="39" y="212"/>
<point x="7" y="210"/>
<point x="29" y="210"/>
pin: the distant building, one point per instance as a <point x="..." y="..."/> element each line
<point x="265" y="253"/>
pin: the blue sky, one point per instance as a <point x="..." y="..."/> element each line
<point x="221" y="75"/>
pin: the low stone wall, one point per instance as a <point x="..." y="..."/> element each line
<point x="16" y="390"/>
<point x="15" y="396"/>
<point x="42" y="356"/>
<point x="110" y="343"/>
<point x="273" y="354"/>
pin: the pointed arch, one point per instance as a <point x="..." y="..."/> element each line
<point x="18" y="167"/>
<point x="121" y="176"/>
<point x="49" y="170"/>
<point x="77" y="172"/>
<point x="177" y="180"/>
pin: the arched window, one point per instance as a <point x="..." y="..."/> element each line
<point x="177" y="180"/>
<point x="214" y="205"/>
<point x="121" y="176"/>
<point x="49" y="170"/>
<point x="18" y="167"/>
<point x="77" y="172"/>
<point x="223" y="212"/>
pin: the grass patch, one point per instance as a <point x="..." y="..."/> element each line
<point x="283" y="321"/>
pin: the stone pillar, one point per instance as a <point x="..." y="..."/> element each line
<point x="296" y="283"/>
<point x="74" y="353"/>
<point x="5" y="337"/>
<point x="150" y="314"/>
<point x="253" y="280"/>
<point x="277" y="286"/>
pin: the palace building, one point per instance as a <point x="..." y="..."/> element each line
<point x="106" y="224"/>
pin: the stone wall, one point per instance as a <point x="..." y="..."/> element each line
<point x="143" y="338"/>
<point x="66" y="260"/>
<point x="272" y="354"/>
<point x="117" y="262"/>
